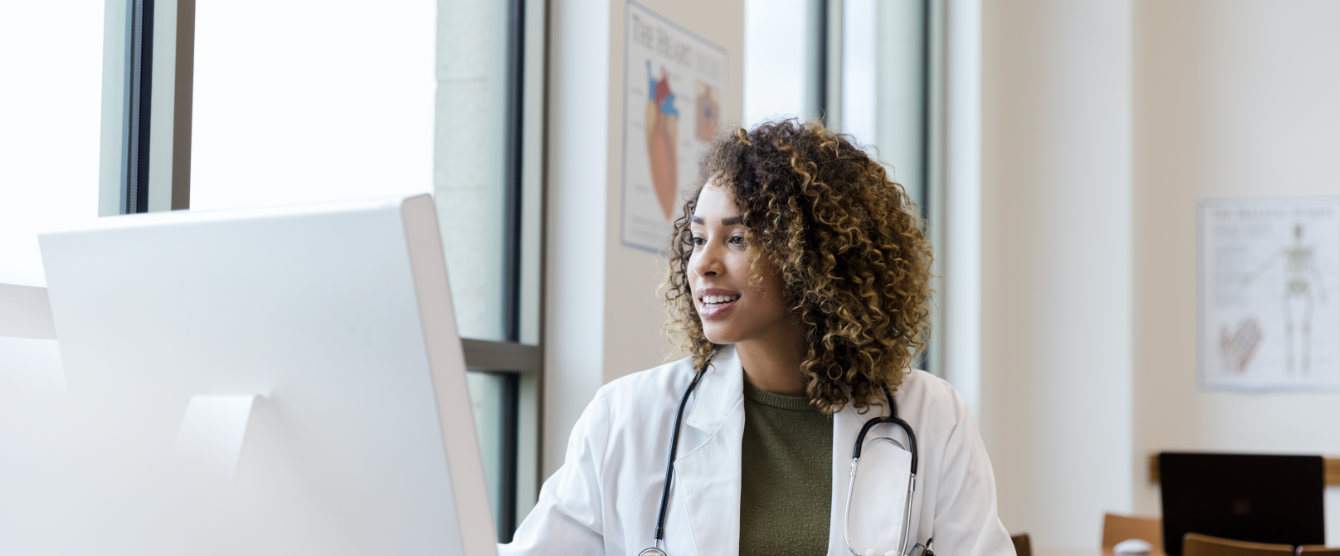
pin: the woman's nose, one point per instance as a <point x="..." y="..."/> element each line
<point x="707" y="261"/>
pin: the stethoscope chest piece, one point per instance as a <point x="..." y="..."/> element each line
<point x="652" y="552"/>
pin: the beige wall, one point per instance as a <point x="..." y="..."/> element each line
<point x="603" y="319"/>
<point x="1056" y="254"/>
<point x="1233" y="98"/>
<point x="1103" y="123"/>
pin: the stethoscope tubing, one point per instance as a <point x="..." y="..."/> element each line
<point x="891" y="419"/>
<point x="659" y="539"/>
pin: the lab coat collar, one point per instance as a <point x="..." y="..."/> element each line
<point x="707" y="476"/>
<point x="720" y="393"/>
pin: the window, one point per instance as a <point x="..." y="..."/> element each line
<point x="320" y="102"/>
<point x="311" y="102"/>
<point x="49" y="149"/>
<point x="777" y="77"/>
<point x="884" y="85"/>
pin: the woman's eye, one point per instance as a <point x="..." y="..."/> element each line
<point x="697" y="241"/>
<point x="737" y="240"/>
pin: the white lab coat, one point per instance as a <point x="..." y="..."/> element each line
<point x="604" y="499"/>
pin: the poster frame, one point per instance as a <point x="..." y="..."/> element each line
<point x="1202" y="360"/>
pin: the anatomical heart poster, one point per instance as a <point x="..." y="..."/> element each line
<point x="674" y="84"/>
<point x="1269" y="288"/>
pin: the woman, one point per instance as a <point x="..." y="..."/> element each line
<point x="799" y="282"/>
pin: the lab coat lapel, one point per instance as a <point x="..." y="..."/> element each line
<point x="877" y="512"/>
<point x="707" y="474"/>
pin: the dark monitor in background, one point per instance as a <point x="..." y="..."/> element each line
<point x="1258" y="498"/>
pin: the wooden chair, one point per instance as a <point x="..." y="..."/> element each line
<point x="1117" y="528"/>
<point x="1021" y="545"/>
<point x="1318" y="549"/>
<point x="1204" y="545"/>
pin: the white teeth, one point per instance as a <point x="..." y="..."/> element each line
<point x="719" y="298"/>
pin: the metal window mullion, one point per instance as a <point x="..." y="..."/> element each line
<point x="139" y="85"/>
<point x="833" y="29"/>
<point x="511" y="411"/>
<point x="513" y="205"/>
<point x="934" y="81"/>
<point x="538" y="41"/>
<point x="925" y="122"/>
<point x="817" y="57"/>
<point x="183" y="85"/>
<point x="513" y="159"/>
<point x="501" y="356"/>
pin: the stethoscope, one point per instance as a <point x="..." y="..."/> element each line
<point x="658" y="548"/>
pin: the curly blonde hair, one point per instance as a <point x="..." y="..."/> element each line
<point x="847" y="242"/>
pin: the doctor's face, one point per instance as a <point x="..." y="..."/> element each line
<point x="731" y="310"/>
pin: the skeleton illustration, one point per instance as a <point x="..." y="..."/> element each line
<point x="1303" y="284"/>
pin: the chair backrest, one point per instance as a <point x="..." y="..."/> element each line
<point x="1204" y="545"/>
<point x="1317" y="549"/>
<point x="1117" y="528"/>
<point x="1022" y="547"/>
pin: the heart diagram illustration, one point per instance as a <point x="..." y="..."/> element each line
<point x="662" y="133"/>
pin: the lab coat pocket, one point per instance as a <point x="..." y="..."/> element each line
<point x="879" y="496"/>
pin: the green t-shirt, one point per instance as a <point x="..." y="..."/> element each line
<point x="786" y="476"/>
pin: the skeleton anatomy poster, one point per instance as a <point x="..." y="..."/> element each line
<point x="1269" y="278"/>
<point x="674" y="82"/>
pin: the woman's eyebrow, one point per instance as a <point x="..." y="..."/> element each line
<point x="729" y="221"/>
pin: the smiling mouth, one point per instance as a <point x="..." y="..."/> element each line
<point x="710" y="300"/>
<point x="714" y="305"/>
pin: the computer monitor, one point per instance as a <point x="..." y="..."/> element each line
<point x="1259" y="498"/>
<point x="266" y="381"/>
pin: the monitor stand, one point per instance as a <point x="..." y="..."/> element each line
<point x="209" y="443"/>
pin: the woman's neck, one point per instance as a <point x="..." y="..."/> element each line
<point x="772" y="362"/>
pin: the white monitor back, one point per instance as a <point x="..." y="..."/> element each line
<point x="267" y="381"/>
